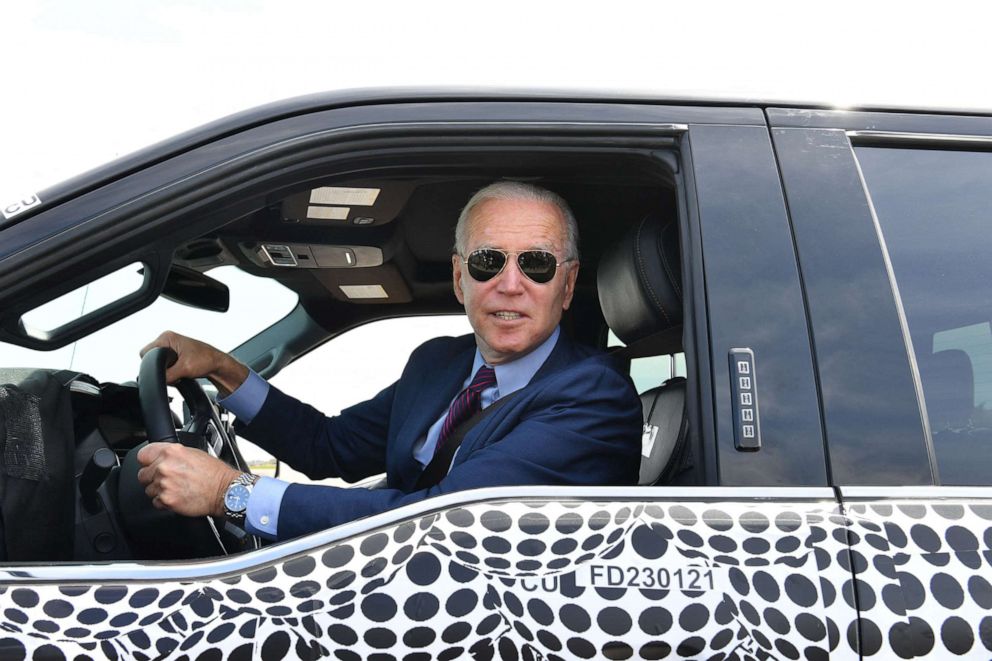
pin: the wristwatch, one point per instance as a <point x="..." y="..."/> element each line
<point x="236" y="496"/>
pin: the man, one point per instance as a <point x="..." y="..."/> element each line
<point x="567" y="416"/>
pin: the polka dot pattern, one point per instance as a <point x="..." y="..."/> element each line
<point x="924" y="584"/>
<point x="505" y="581"/>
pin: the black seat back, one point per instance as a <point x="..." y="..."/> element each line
<point x="640" y="292"/>
<point x="640" y="280"/>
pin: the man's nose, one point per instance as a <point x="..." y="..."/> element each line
<point x="511" y="280"/>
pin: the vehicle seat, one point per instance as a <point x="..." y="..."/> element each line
<point x="640" y="292"/>
<point x="948" y="384"/>
<point x="960" y="430"/>
<point x="666" y="429"/>
<point x="36" y="467"/>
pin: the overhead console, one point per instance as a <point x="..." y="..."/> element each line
<point x="342" y="235"/>
<point x="332" y="226"/>
<point x="310" y="256"/>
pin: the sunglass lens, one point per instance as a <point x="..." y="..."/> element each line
<point x="485" y="264"/>
<point x="537" y="265"/>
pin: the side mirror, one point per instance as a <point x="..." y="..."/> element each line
<point x="190" y="287"/>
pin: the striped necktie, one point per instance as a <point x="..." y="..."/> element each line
<point x="467" y="403"/>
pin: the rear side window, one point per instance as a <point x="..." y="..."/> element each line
<point x="934" y="209"/>
<point x="650" y="371"/>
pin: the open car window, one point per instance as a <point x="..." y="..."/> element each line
<point x="650" y="371"/>
<point x="349" y="369"/>
<point x="355" y="366"/>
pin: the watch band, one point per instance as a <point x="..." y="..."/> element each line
<point x="246" y="480"/>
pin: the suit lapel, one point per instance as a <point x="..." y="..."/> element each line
<point x="437" y="392"/>
<point x="440" y="383"/>
<point x="561" y="356"/>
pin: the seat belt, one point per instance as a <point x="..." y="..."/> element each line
<point x="438" y="467"/>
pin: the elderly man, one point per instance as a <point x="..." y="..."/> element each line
<point x="562" y="414"/>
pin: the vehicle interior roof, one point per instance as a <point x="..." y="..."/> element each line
<point x="412" y="221"/>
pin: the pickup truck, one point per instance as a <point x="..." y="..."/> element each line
<point x="802" y="295"/>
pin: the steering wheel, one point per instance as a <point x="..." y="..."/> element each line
<point x="162" y="534"/>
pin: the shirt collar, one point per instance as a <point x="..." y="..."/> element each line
<point x="516" y="374"/>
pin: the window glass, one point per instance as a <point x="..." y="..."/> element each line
<point x="85" y="299"/>
<point x="111" y="353"/>
<point x="935" y="211"/>
<point x="650" y="371"/>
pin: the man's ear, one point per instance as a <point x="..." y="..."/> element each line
<point x="456" y="278"/>
<point x="570" y="275"/>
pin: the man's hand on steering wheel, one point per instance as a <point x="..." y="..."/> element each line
<point x="183" y="472"/>
<point x="185" y="480"/>
<point x="198" y="360"/>
<point x="188" y="480"/>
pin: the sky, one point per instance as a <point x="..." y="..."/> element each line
<point x="88" y="82"/>
<point x="91" y="81"/>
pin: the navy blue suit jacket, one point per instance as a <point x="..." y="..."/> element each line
<point x="578" y="422"/>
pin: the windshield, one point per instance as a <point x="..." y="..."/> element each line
<point x="111" y="354"/>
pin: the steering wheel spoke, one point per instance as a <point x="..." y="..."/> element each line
<point x="164" y="531"/>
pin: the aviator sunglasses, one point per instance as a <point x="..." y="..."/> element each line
<point x="538" y="265"/>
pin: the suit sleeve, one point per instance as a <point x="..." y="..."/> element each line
<point x="582" y="427"/>
<point x="351" y="445"/>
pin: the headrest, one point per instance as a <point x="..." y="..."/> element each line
<point x="640" y="280"/>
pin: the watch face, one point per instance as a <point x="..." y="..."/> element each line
<point x="236" y="498"/>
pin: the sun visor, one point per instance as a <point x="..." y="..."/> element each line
<point x="358" y="203"/>
<point x="380" y="284"/>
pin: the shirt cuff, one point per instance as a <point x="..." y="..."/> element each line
<point x="247" y="400"/>
<point x="262" y="517"/>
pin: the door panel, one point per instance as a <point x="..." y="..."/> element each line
<point x="870" y="409"/>
<point x="714" y="573"/>
<point x="753" y="300"/>
<point x="923" y="565"/>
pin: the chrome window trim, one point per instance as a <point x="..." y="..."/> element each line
<point x="915" y="492"/>
<point x="158" y="571"/>
<point x="895" y="137"/>
<point x="914" y="367"/>
<point x="667" y="127"/>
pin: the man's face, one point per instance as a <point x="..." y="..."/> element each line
<point x="510" y="314"/>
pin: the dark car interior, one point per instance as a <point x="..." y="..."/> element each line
<point x="370" y="244"/>
<point x="403" y="241"/>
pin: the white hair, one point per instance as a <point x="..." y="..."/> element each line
<point x="516" y="190"/>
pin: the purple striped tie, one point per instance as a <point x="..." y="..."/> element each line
<point x="466" y="403"/>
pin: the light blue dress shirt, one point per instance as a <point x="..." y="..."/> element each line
<point x="266" y="497"/>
